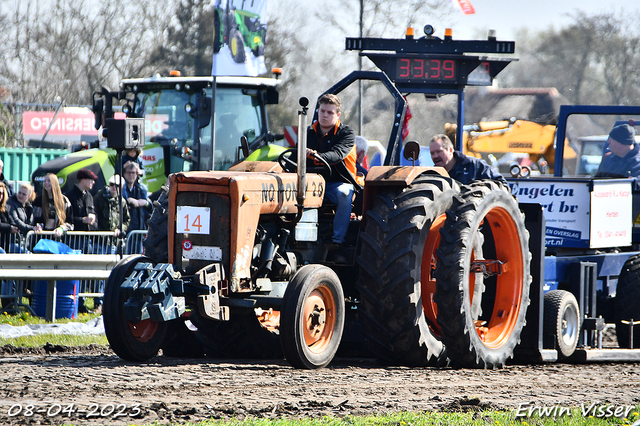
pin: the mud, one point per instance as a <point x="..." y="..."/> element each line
<point x="56" y="384"/>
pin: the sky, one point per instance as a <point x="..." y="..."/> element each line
<point x="508" y="16"/>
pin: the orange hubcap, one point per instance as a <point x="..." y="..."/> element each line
<point x="319" y="319"/>
<point x="144" y="330"/>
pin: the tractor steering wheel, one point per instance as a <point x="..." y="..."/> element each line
<point x="288" y="165"/>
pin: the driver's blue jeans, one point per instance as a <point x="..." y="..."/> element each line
<point x="341" y="194"/>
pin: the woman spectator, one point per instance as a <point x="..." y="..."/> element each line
<point x="53" y="209"/>
<point x="6" y="228"/>
<point x="21" y="210"/>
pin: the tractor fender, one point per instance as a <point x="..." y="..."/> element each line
<point x="379" y="176"/>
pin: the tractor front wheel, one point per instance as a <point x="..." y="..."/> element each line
<point x="312" y="317"/>
<point x="131" y="341"/>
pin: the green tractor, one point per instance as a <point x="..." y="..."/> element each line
<point x="238" y="28"/>
<point x="178" y="115"/>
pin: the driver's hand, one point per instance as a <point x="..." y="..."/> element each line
<point x="311" y="153"/>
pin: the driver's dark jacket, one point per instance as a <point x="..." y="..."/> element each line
<point x="614" y="166"/>
<point x="338" y="148"/>
<point x="467" y="169"/>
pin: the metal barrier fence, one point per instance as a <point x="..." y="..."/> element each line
<point x="50" y="268"/>
<point x="91" y="243"/>
<point x="12" y="243"/>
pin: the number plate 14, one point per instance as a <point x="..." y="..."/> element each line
<point x="193" y="220"/>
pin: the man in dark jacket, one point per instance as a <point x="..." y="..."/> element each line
<point x="107" y="204"/>
<point x="84" y="213"/>
<point x="622" y="157"/>
<point x="136" y="194"/>
<point x="335" y="143"/>
<point x="460" y="167"/>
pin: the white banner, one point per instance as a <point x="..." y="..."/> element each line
<point x="238" y="37"/>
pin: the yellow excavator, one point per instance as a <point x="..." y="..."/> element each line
<point x="533" y="144"/>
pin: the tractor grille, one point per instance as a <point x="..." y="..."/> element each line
<point x="219" y="235"/>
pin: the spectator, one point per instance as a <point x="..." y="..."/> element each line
<point x="4" y="180"/>
<point x="362" y="145"/>
<point x="83" y="210"/>
<point x="622" y="159"/>
<point x="132" y="154"/>
<point x="21" y="209"/>
<point x="460" y="167"/>
<point x="137" y="197"/>
<point x="52" y="209"/>
<point x="107" y="204"/>
<point x="6" y="228"/>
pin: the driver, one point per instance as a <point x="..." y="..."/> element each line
<point x="335" y="143"/>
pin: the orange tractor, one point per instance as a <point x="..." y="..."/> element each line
<point x="236" y="262"/>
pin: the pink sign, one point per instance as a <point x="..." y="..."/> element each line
<point x="66" y="124"/>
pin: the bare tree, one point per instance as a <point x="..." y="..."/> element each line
<point x="594" y="60"/>
<point x="69" y="49"/>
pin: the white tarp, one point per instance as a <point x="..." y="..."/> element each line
<point x="94" y="326"/>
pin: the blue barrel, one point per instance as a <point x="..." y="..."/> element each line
<point x="66" y="301"/>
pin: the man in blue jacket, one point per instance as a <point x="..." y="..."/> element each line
<point x="460" y="167"/>
<point x="622" y="157"/>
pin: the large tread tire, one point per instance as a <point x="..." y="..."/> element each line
<point x="242" y="337"/>
<point x="395" y="284"/>
<point x="132" y="342"/>
<point x="487" y="340"/>
<point x="312" y="317"/>
<point x="236" y="45"/>
<point x="561" y="322"/>
<point x="217" y="39"/>
<point x="156" y="244"/>
<point x="627" y="303"/>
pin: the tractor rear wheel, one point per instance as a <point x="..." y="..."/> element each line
<point x="131" y="341"/>
<point x="395" y="281"/>
<point x="561" y="322"/>
<point x="483" y="337"/>
<point x="627" y="303"/>
<point x="312" y="317"/>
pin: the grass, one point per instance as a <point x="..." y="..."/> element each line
<point x="475" y="418"/>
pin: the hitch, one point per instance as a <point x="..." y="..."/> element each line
<point x="488" y="267"/>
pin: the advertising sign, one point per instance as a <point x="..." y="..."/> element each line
<point x="578" y="216"/>
<point x="566" y="206"/>
<point x="71" y="124"/>
<point x="239" y="38"/>
<point x="611" y="217"/>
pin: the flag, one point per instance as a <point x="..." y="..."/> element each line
<point x="465" y="6"/>
<point x="238" y="37"/>
<point x="405" y="124"/>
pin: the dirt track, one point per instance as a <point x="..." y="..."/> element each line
<point x="175" y="390"/>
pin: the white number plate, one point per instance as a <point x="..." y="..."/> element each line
<point x="193" y="220"/>
<point x="203" y="253"/>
